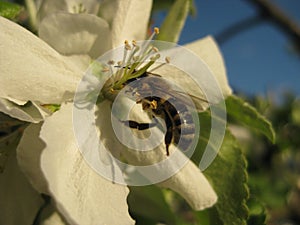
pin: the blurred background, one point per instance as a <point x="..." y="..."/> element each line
<point x="263" y="66"/>
<point x="261" y="58"/>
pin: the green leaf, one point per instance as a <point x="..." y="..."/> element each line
<point x="148" y="204"/>
<point x="257" y="215"/>
<point x="296" y="112"/>
<point x="228" y="176"/>
<point x="171" y="28"/>
<point x="247" y="115"/>
<point x="9" y="10"/>
<point x="10" y="130"/>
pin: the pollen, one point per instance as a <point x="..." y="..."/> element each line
<point x="156" y="30"/>
<point x="153" y="104"/>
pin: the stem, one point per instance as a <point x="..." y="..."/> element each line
<point x="31" y="8"/>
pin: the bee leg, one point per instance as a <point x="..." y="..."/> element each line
<point x="168" y="139"/>
<point x="138" y="126"/>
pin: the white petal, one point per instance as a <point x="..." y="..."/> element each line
<point x="29" y="157"/>
<point x="27" y="112"/>
<point x="31" y="70"/>
<point x="190" y="183"/>
<point x="76" y="33"/>
<point x="87" y="6"/>
<point x="49" y="7"/>
<point x="81" y="194"/>
<point x="129" y="19"/>
<point x="207" y="50"/>
<point x="19" y="202"/>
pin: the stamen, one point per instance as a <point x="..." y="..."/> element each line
<point x="127" y="46"/>
<point x="155" y="32"/>
<point x="145" y="47"/>
<point x="167" y="60"/>
<point x="154" y="58"/>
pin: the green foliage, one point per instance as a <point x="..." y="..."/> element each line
<point x="246" y="114"/>
<point x="228" y="176"/>
<point x="10" y="130"/>
<point x="159" y="5"/>
<point x="10" y="10"/>
<point x="148" y="205"/>
<point x="257" y="213"/>
<point x="274" y="168"/>
<point x="174" y="22"/>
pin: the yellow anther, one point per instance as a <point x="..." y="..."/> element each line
<point x="167" y="59"/>
<point x="105" y="69"/>
<point x="155" y="49"/>
<point x="154" y="58"/>
<point x="134" y="42"/>
<point x="111" y="62"/>
<point x="127" y="45"/>
<point x="156" y="30"/>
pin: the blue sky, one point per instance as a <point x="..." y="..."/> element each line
<point x="259" y="60"/>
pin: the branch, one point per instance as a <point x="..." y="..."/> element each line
<point x="276" y="15"/>
<point x="267" y="11"/>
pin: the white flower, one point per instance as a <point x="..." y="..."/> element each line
<point x="34" y="73"/>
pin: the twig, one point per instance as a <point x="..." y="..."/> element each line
<point x="280" y="18"/>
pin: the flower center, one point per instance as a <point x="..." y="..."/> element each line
<point x="136" y="60"/>
<point x="78" y="8"/>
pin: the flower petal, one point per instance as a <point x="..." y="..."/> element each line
<point x="31" y="70"/>
<point x="128" y="19"/>
<point x="81" y="194"/>
<point x="190" y="183"/>
<point x="19" y="201"/>
<point x="207" y="50"/>
<point x="29" y="157"/>
<point x="27" y="112"/>
<point x="76" y="33"/>
<point x="49" y="7"/>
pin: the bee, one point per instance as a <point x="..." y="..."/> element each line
<point x="159" y="99"/>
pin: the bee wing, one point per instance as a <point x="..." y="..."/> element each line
<point x="202" y="92"/>
<point x="162" y="87"/>
<point x="170" y="89"/>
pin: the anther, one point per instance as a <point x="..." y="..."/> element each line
<point x="111" y="62"/>
<point x="167" y="59"/>
<point x="155" y="49"/>
<point x="127" y="45"/>
<point x="156" y="30"/>
<point x="105" y="69"/>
